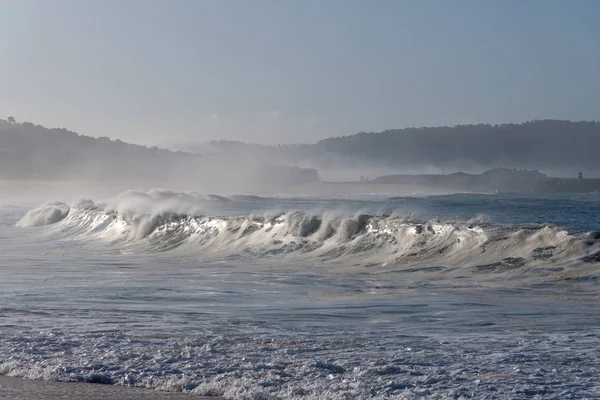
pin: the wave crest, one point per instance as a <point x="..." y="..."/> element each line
<point x="46" y="214"/>
<point x="166" y="221"/>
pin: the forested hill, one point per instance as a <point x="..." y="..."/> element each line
<point x="534" y="144"/>
<point x="33" y="151"/>
<point x="29" y="151"/>
<point x="559" y="148"/>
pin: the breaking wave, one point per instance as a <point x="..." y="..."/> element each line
<point x="156" y="223"/>
<point x="47" y="214"/>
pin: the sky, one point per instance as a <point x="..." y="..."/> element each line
<point x="283" y="71"/>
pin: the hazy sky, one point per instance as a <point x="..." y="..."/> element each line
<point x="294" y="71"/>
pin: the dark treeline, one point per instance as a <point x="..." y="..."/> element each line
<point x="536" y="144"/>
<point x="29" y="151"/>
<point x="557" y="147"/>
<point x="560" y="148"/>
<point x="33" y="151"/>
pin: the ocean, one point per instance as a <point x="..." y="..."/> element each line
<point x="338" y="297"/>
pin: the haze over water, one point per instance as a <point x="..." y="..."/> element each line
<point x="215" y="257"/>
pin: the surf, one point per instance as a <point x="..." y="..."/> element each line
<point x="185" y="225"/>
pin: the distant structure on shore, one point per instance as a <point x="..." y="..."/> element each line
<point x="497" y="180"/>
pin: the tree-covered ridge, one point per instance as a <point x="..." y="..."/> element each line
<point x="29" y="151"/>
<point x="532" y="144"/>
<point x="559" y="148"/>
<point x="33" y="151"/>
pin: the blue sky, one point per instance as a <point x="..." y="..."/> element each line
<point x="284" y="71"/>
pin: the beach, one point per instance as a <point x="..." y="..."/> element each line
<point x="26" y="389"/>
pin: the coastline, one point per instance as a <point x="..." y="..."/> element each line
<point x="27" y="389"/>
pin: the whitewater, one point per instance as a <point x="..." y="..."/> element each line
<point x="340" y="297"/>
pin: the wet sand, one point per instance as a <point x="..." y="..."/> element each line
<point x="25" y="389"/>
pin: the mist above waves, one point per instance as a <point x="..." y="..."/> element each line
<point x="558" y="148"/>
<point x="561" y="148"/>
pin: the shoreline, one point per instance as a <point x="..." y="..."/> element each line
<point x="26" y="389"/>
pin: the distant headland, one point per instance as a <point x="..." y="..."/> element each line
<point x="497" y="180"/>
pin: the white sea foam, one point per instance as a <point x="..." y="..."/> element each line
<point x="46" y="214"/>
<point x="186" y="292"/>
<point x="166" y="221"/>
<point x="496" y="366"/>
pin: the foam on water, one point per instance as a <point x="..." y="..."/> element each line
<point x="534" y="365"/>
<point x="256" y="298"/>
<point x="46" y="214"/>
<point x="297" y="237"/>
